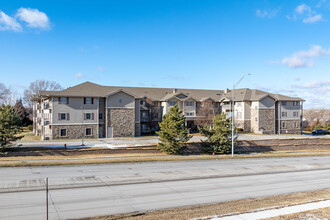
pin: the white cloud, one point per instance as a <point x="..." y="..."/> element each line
<point x="315" y="85"/>
<point x="300" y="9"/>
<point x="34" y="18"/>
<point x="266" y="13"/>
<point x="305" y="58"/>
<point x="78" y="75"/>
<point x="9" y="23"/>
<point x="306" y="14"/>
<point x="313" y="19"/>
<point x="100" y="69"/>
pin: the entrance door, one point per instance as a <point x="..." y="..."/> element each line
<point x="101" y="130"/>
<point x="109" y="132"/>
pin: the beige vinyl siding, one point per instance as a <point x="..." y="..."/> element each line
<point x="120" y="100"/>
<point x="75" y="111"/>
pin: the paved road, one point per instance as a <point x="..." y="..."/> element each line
<point x="81" y="191"/>
<point x="124" y="142"/>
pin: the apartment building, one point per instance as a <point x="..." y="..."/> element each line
<point x="90" y="110"/>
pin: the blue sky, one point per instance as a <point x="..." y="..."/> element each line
<point x="171" y="43"/>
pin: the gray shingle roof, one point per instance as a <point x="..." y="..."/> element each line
<point x="88" y="89"/>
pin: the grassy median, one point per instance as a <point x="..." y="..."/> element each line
<point x="56" y="160"/>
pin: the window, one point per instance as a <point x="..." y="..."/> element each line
<point x="172" y="103"/>
<point x="256" y="119"/>
<point x="284" y="103"/>
<point x="100" y="101"/>
<point x="295" y="114"/>
<point x="46" y="122"/>
<point x="142" y="102"/>
<point x="295" y="124"/>
<point x="120" y="101"/>
<point x="283" y="124"/>
<point x="239" y="114"/>
<point x="63" y="132"/>
<point x="62" y="116"/>
<point x="284" y="114"/>
<point x="64" y="100"/>
<point x="189" y="113"/>
<point x="100" y="116"/>
<point x="88" y="101"/>
<point x="143" y="114"/>
<point x="295" y="103"/>
<point x="88" y="131"/>
<point x="88" y="116"/>
<point x="190" y="103"/>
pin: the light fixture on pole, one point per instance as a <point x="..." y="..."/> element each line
<point x="82" y="126"/>
<point x="232" y="113"/>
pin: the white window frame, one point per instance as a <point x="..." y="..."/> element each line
<point x="90" y="133"/>
<point x="64" y="116"/>
<point x="90" y="116"/>
<point x="66" y="132"/>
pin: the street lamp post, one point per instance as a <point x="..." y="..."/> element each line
<point x="82" y="126"/>
<point x="233" y="114"/>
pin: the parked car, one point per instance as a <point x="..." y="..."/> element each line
<point x="320" y="132"/>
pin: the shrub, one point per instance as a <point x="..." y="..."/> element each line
<point x="218" y="136"/>
<point x="173" y="133"/>
<point x="30" y="127"/>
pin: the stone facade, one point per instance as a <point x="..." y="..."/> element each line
<point x="267" y="121"/>
<point x="122" y="121"/>
<point x="74" y="131"/>
<point x="289" y="127"/>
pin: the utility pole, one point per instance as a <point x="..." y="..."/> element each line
<point x="47" y="197"/>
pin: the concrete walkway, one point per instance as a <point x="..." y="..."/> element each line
<point x="275" y="212"/>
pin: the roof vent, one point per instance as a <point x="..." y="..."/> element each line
<point x="174" y="90"/>
<point x="227" y="90"/>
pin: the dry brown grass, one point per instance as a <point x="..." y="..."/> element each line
<point x="140" y="157"/>
<point x="224" y="208"/>
<point x="308" y="215"/>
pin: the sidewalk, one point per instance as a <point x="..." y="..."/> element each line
<point x="274" y="212"/>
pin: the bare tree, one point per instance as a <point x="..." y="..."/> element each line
<point x="39" y="85"/>
<point x="5" y="93"/>
<point x="313" y="117"/>
<point x="205" y="114"/>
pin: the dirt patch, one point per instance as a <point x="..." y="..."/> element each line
<point x="41" y="151"/>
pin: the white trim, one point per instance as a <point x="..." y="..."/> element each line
<point x="121" y="90"/>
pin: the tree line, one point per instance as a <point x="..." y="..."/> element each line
<point x="13" y="117"/>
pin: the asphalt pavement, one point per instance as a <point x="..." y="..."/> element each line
<point x="93" y="190"/>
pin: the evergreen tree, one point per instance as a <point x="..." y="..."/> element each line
<point x="218" y="135"/>
<point x="9" y="125"/>
<point x="173" y="133"/>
